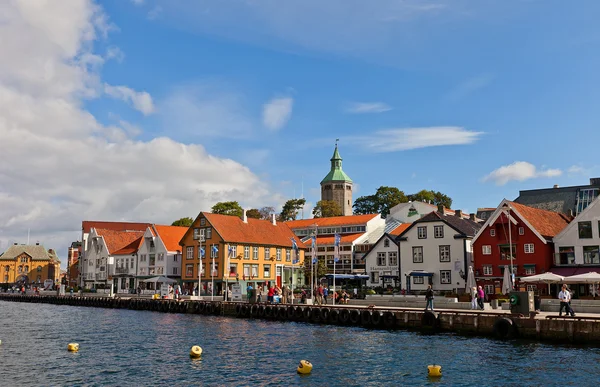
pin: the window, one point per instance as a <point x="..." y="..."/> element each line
<point x="566" y="255"/>
<point x="267" y="253"/>
<point x="445" y="277"/>
<point x="189" y="270"/>
<point x="591" y="255"/>
<point x="175" y="271"/>
<point x="531" y="288"/>
<point x="7" y="268"/>
<point x="208" y="233"/>
<point x="161" y="256"/>
<point x="247" y="270"/>
<point x="203" y="222"/>
<point x="488" y="289"/>
<point x="254" y="271"/>
<point x="380" y="259"/>
<point x="530" y="270"/>
<point x="23" y="259"/>
<point x="255" y="253"/>
<point x="417" y="254"/>
<point x="492" y="232"/>
<point x="20" y="269"/>
<point x="585" y="197"/>
<point x="438" y="231"/>
<point x="487" y="270"/>
<point x="445" y="253"/>
<point x="232" y="251"/>
<point x="152" y="259"/>
<point x="175" y="257"/>
<point x="585" y="230"/>
<point x="189" y="253"/>
<point x="521" y="230"/>
<point x="486" y="250"/>
<point x="131" y="264"/>
<point x="528" y="248"/>
<point x="288" y="255"/>
<point x="386" y="243"/>
<point x="203" y="269"/>
<point x="393" y="258"/>
<point x="213" y="253"/>
<point x="374" y="277"/>
<point x="418" y="280"/>
<point x="246" y="252"/>
<point x="422" y="232"/>
<point x="506" y="250"/>
<point x="267" y="271"/>
<point x="278" y="254"/>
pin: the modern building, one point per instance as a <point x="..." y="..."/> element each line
<point x="436" y="250"/>
<point x="519" y="236"/>
<point x="337" y="185"/>
<point x="566" y="200"/>
<point x="29" y="264"/>
<point x="242" y="250"/>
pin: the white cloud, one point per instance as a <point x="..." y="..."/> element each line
<point x="114" y="52"/>
<point x="277" y="112"/>
<point x="470" y="85"/>
<point x="140" y="100"/>
<point x="519" y="171"/>
<point x="61" y="166"/>
<point x="393" y="140"/>
<point x="367" y="107"/>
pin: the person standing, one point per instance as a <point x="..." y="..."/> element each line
<point x="249" y="292"/>
<point x="429" y="298"/>
<point x="480" y="297"/>
<point x="325" y="294"/>
<point x="474" y="297"/>
<point x="565" y="298"/>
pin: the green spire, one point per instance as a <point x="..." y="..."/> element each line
<point x="336" y="173"/>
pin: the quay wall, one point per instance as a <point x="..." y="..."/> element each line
<point x="493" y="324"/>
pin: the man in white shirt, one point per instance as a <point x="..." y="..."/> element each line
<point x="565" y="298"/>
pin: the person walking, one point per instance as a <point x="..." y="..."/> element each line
<point x="474" y="297"/>
<point x="325" y="294"/>
<point x="249" y="292"/>
<point x="480" y="297"/>
<point x="429" y="298"/>
<point x="565" y="298"/>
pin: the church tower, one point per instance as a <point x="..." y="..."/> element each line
<point x="337" y="186"/>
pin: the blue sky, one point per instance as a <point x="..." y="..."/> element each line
<point x="152" y="110"/>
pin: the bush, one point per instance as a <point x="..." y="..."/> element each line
<point x="371" y="292"/>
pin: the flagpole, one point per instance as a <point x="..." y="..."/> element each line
<point x="212" y="275"/>
<point x="226" y="275"/>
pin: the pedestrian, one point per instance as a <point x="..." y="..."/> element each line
<point x="565" y="301"/>
<point x="249" y="292"/>
<point x="474" y="297"/>
<point x="71" y="291"/>
<point x="270" y="294"/>
<point x="429" y="298"/>
<point x="259" y="292"/>
<point x="325" y="294"/>
<point x="480" y="297"/>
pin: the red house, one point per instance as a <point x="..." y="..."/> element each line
<point x="524" y="231"/>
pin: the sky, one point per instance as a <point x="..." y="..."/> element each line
<point x="151" y="110"/>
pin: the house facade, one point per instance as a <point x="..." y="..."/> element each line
<point x="521" y="232"/>
<point x="567" y="200"/>
<point x="239" y="250"/>
<point x="412" y="211"/>
<point x="28" y="264"/>
<point x="436" y="250"/>
<point x="382" y="263"/>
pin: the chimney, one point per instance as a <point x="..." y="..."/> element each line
<point x="15" y="243"/>
<point x="555" y="186"/>
<point x="244" y="217"/>
<point x="273" y="220"/>
<point x="472" y="217"/>
<point x="458" y="213"/>
<point x="441" y="209"/>
<point x="37" y="243"/>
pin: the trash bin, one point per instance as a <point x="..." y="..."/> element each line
<point x="537" y="302"/>
<point x="494" y="304"/>
<point x="251" y="296"/>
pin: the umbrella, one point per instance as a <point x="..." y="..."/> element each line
<point x="587" y="278"/>
<point x="546" y="278"/>
<point x="164" y="280"/>
<point x="506" y="282"/>
<point x="471" y="279"/>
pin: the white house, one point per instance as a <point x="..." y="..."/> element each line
<point x="436" y="249"/>
<point x="411" y="211"/>
<point x="382" y="264"/>
<point x="579" y="242"/>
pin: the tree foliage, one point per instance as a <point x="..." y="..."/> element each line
<point x="381" y="202"/>
<point x="228" y="208"/>
<point x="434" y="197"/>
<point x="290" y="209"/>
<point x="183" y="222"/>
<point x="320" y="267"/>
<point x="265" y="212"/>
<point x="253" y="213"/>
<point x="326" y="209"/>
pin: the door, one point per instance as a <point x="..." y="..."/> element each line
<point x="278" y="270"/>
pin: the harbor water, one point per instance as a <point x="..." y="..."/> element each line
<point x="127" y="347"/>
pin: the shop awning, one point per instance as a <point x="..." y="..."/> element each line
<point x="420" y="274"/>
<point x="347" y="276"/>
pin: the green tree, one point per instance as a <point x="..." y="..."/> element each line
<point x="183" y="222"/>
<point x="381" y="202"/>
<point x="228" y="208"/>
<point x="265" y="212"/>
<point x="290" y="209"/>
<point x="434" y="197"/>
<point x="253" y="213"/>
<point x="440" y="198"/>
<point x="320" y="267"/>
<point x="326" y="209"/>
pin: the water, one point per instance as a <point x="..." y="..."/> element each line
<point x="125" y="347"/>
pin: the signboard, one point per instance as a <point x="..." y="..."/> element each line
<point x="164" y="290"/>
<point x="236" y="292"/>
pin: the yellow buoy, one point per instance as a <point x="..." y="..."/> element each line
<point x="304" y="367"/>
<point x="73" y="347"/>
<point x="195" y="352"/>
<point x="434" y="370"/>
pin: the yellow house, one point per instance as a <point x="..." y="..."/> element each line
<point x="24" y="264"/>
<point x="240" y="250"/>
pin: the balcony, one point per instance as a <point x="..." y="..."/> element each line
<point x="101" y="276"/>
<point x="122" y="270"/>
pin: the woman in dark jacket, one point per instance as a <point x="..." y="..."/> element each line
<point x="429" y="298"/>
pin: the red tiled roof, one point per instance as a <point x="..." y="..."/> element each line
<point x="400" y="229"/>
<point x="121" y="240"/>
<point x="547" y="223"/>
<point x="171" y="235"/>
<point x="330" y="240"/>
<point x="333" y="221"/>
<point x="86" y="225"/>
<point x="131" y="248"/>
<point x="256" y="231"/>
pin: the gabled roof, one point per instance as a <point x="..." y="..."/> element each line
<point x="466" y="227"/>
<point x="170" y="236"/>
<point x="400" y="229"/>
<point x="582" y="214"/>
<point x="87" y="225"/>
<point x="386" y="235"/>
<point x="255" y="231"/>
<point x="121" y="242"/>
<point x="350" y="220"/>
<point x="36" y="252"/>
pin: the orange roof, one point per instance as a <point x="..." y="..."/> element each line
<point x="330" y="240"/>
<point x="400" y="229"/>
<point x="547" y="223"/>
<point x="333" y="221"/>
<point x="116" y="241"/>
<point x="86" y="225"/>
<point x="171" y="235"/>
<point x="256" y="231"/>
